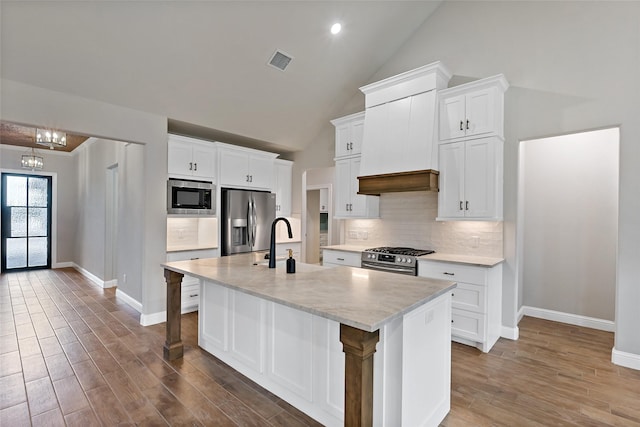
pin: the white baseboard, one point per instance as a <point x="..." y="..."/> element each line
<point x="571" y="319"/>
<point x="520" y="313"/>
<point x="510" y="333"/>
<point x="628" y="360"/>
<point x="66" y="264"/>
<point x="135" y="304"/>
<point x="86" y="273"/>
<point x="153" y="318"/>
<point x="110" y="283"/>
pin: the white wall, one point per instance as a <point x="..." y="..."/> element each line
<point x="569" y="221"/>
<point x="30" y="105"/>
<point x="64" y="166"/>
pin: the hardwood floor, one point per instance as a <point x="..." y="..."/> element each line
<point x="72" y="354"/>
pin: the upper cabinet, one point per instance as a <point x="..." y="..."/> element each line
<point x="246" y="168"/>
<point x="349" y="132"/>
<point x="348" y="203"/>
<point x="473" y="110"/>
<point x="282" y="186"/>
<point x="471" y="180"/>
<point x="191" y="158"/>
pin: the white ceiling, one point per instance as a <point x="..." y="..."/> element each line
<point x="203" y="63"/>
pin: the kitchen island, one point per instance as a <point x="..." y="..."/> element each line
<point x="287" y="332"/>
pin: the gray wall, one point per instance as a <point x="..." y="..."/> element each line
<point x="34" y="106"/>
<point x="64" y="166"/>
<point x="570" y="223"/>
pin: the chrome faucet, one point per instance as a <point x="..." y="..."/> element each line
<point x="272" y="244"/>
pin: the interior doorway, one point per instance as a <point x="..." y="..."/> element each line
<point x="568" y="227"/>
<point x="26" y="221"/>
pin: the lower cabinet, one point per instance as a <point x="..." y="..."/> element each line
<point x="190" y="286"/>
<point x="476" y="316"/>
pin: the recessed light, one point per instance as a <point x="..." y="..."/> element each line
<point x="335" y="28"/>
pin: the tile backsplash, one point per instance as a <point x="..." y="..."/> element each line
<point x="408" y="219"/>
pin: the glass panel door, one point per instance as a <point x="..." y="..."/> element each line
<point x="26" y="222"/>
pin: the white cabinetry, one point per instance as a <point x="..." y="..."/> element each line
<point x="282" y="186"/>
<point x="188" y="157"/>
<point x="324" y="200"/>
<point x="473" y="109"/>
<point x="190" y="286"/>
<point x="350" y="204"/>
<point x="332" y="257"/>
<point x="476" y="302"/>
<point x="349" y="132"/>
<point x="400" y="136"/>
<point x="471" y="179"/>
<point x="246" y="168"/>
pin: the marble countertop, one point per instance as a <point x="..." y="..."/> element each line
<point x="363" y="299"/>
<point x="453" y="258"/>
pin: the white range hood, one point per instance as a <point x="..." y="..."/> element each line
<point x="399" y="148"/>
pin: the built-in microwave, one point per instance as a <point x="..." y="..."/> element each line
<point x="186" y="197"/>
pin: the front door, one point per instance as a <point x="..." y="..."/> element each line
<point x="26" y="222"/>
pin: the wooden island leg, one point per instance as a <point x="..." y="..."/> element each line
<point x="358" y="346"/>
<point x="173" y="348"/>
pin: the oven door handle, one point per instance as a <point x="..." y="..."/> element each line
<point x="403" y="270"/>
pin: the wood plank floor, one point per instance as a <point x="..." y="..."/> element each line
<point x="72" y="354"/>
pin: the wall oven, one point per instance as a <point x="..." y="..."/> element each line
<point x="186" y="197"/>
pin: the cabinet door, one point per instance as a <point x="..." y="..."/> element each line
<point x="324" y="200"/>
<point x="480" y="176"/>
<point x="282" y="188"/>
<point x="343" y="187"/>
<point x="260" y="172"/>
<point x="480" y="112"/>
<point x="204" y="161"/>
<point x="450" y="197"/>
<point x="180" y="161"/>
<point x="357" y="132"/>
<point x="452" y="117"/>
<point x="247" y="329"/>
<point x="377" y="141"/>
<point x="358" y="207"/>
<point x="420" y="139"/>
<point x="234" y="168"/>
<point x="343" y="140"/>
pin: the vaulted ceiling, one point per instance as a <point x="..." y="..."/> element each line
<point x="202" y="64"/>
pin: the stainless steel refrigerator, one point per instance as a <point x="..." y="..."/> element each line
<point x="246" y="220"/>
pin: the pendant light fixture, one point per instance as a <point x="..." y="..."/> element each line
<point x="51" y="138"/>
<point x="31" y="161"/>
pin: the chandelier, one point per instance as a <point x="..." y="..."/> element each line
<point x="51" y="138"/>
<point x="31" y="161"/>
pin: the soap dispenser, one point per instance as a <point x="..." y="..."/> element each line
<point x="291" y="263"/>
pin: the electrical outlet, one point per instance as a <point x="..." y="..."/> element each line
<point x="353" y="234"/>
<point x="124" y="278"/>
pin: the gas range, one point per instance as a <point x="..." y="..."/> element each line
<point x="393" y="259"/>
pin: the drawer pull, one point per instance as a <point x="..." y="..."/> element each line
<point x="193" y="295"/>
<point x="452" y="294"/>
<point x="449" y="274"/>
<point x="340" y="259"/>
<point x="193" y="259"/>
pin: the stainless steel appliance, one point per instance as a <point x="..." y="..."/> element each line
<point x="246" y="220"/>
<point x="188" y="197"/>
<point x="393" y="259"/>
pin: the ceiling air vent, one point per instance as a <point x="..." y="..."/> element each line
<point x="280" y="60"/>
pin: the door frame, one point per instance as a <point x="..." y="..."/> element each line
<point x="303" y="216"/>
<point x="54" y="210"/>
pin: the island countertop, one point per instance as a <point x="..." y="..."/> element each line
<point x="363" y="299"/>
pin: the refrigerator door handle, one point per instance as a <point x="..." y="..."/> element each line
<point x="254" y="223"/>
<point x="249" y="219"/>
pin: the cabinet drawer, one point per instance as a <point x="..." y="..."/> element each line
<point x="452" y="272"/>
<point x="468" y="325"/>
<point x="351" y="259"/>
<point x="190" y="296"/>
<point x="195" y="254"/>
<point x="469" y="297"/>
